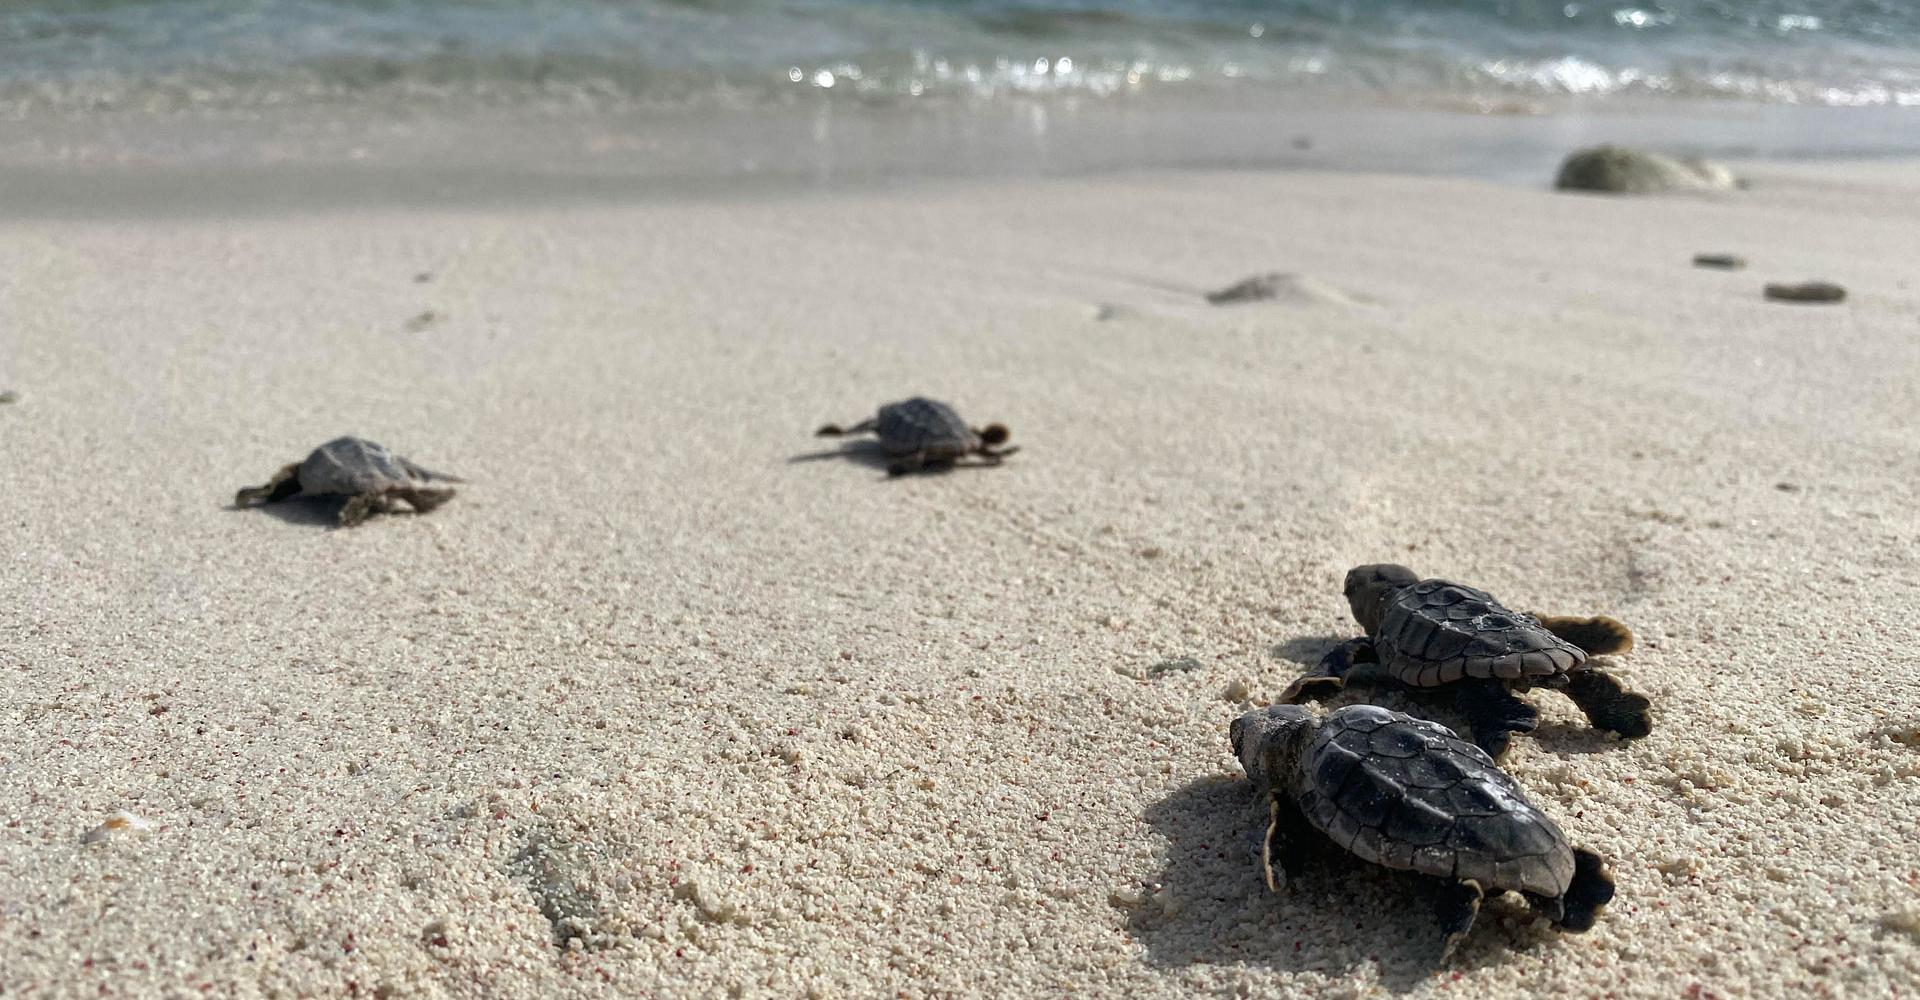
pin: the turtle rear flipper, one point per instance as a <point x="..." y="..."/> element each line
<point x="1608" y="704"/>
<point x="1597" y="635"/>
<point x="1457" y="908"/>
<point x="1589" y="892"/>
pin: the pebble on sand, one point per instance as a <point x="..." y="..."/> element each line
<point x="1806" y="291"/>
<point x="8" y="396"/>
<point x="1720" y="261"/>
<point x="119" y="824"/>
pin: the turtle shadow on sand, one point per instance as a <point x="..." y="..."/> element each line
<point x="871" y="455"/>
<point x="318" y="511"/>
<point x="1342" y="915"/>
<point x="1571" y="738"/>
<point x="1308" y="650"/>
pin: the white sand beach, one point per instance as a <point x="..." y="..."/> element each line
<point x="655" y="707"/>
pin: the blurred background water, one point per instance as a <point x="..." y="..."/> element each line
<point x="67" y="57"/>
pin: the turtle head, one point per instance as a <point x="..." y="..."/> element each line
<point x="1268" y="741"/>
<point x="994" y="435"/>
<point x="1368" y="587"/>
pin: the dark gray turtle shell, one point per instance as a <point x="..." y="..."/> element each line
<point x="1409" y="794"/>
<point x="1437" y="632"/>
<point x="354" y="466"/>
<point x="924" y="426"/>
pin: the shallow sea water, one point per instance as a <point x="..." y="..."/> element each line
<point x="72" y="56"/>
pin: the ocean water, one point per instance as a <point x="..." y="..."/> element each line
<point x="75" y="57"/>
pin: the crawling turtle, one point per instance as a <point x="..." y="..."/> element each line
<point x="922" y="433"/>
<point x="1409" y="794"/>
<point x="367" y="474"/>
<point x="1434" y="633"/>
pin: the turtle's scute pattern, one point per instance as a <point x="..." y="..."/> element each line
<point x="354" y="466"/>
<point x="1409" y="794"/>
<point x="1436" y="632"/>
<point x="924" y="425"/>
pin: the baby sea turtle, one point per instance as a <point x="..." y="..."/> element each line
<point x="922" y="433"/>
<point x="368" y="474"/>
<point x="1433" y="633"/>
<point x="1410" y="795"/>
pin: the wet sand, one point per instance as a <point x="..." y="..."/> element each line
<point x="666" y="703"/>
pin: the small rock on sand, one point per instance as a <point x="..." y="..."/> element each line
<point x="8" y="396"/>
<point x="1720" y="261"/>
<point x="1183" y="664"/>
<point x="1806" y="291"/>
<point x="1621" y="170"/>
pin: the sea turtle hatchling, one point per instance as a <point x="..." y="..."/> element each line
<point x="922" y="433"/>
<point x="1434" y="633"/>
<point x="369" y="475"/>
<point x="1410" y="795"/>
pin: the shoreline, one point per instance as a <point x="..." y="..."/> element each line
<point x="115" y="165"/>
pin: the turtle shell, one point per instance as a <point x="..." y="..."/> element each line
<point x="921" y="425"/>
<point x="355" y="466"/>
<point x="1437" y="632"/>
<point x="1409" y="794"/>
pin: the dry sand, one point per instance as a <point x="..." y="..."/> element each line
<point x="654" y="709"/>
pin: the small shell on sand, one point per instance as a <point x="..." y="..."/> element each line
<point x="120" y="824"/>
<point x="1806" y="291"/>
<point x="1721" y="261"/>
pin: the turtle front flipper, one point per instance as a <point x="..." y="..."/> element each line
<point x="284" y="484"/>
<point x="1589" y="893"/>
<point x="359" y="508"/>
<point x="1458" y="907"/>
<point x="1331" y="675"/>
<point x="1596" y="635"/>
<point x="1287" y="844"/>
<point x="835" y="430"/>
<point x="1608" y="704"/>
<point x="1494" y="714"/>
